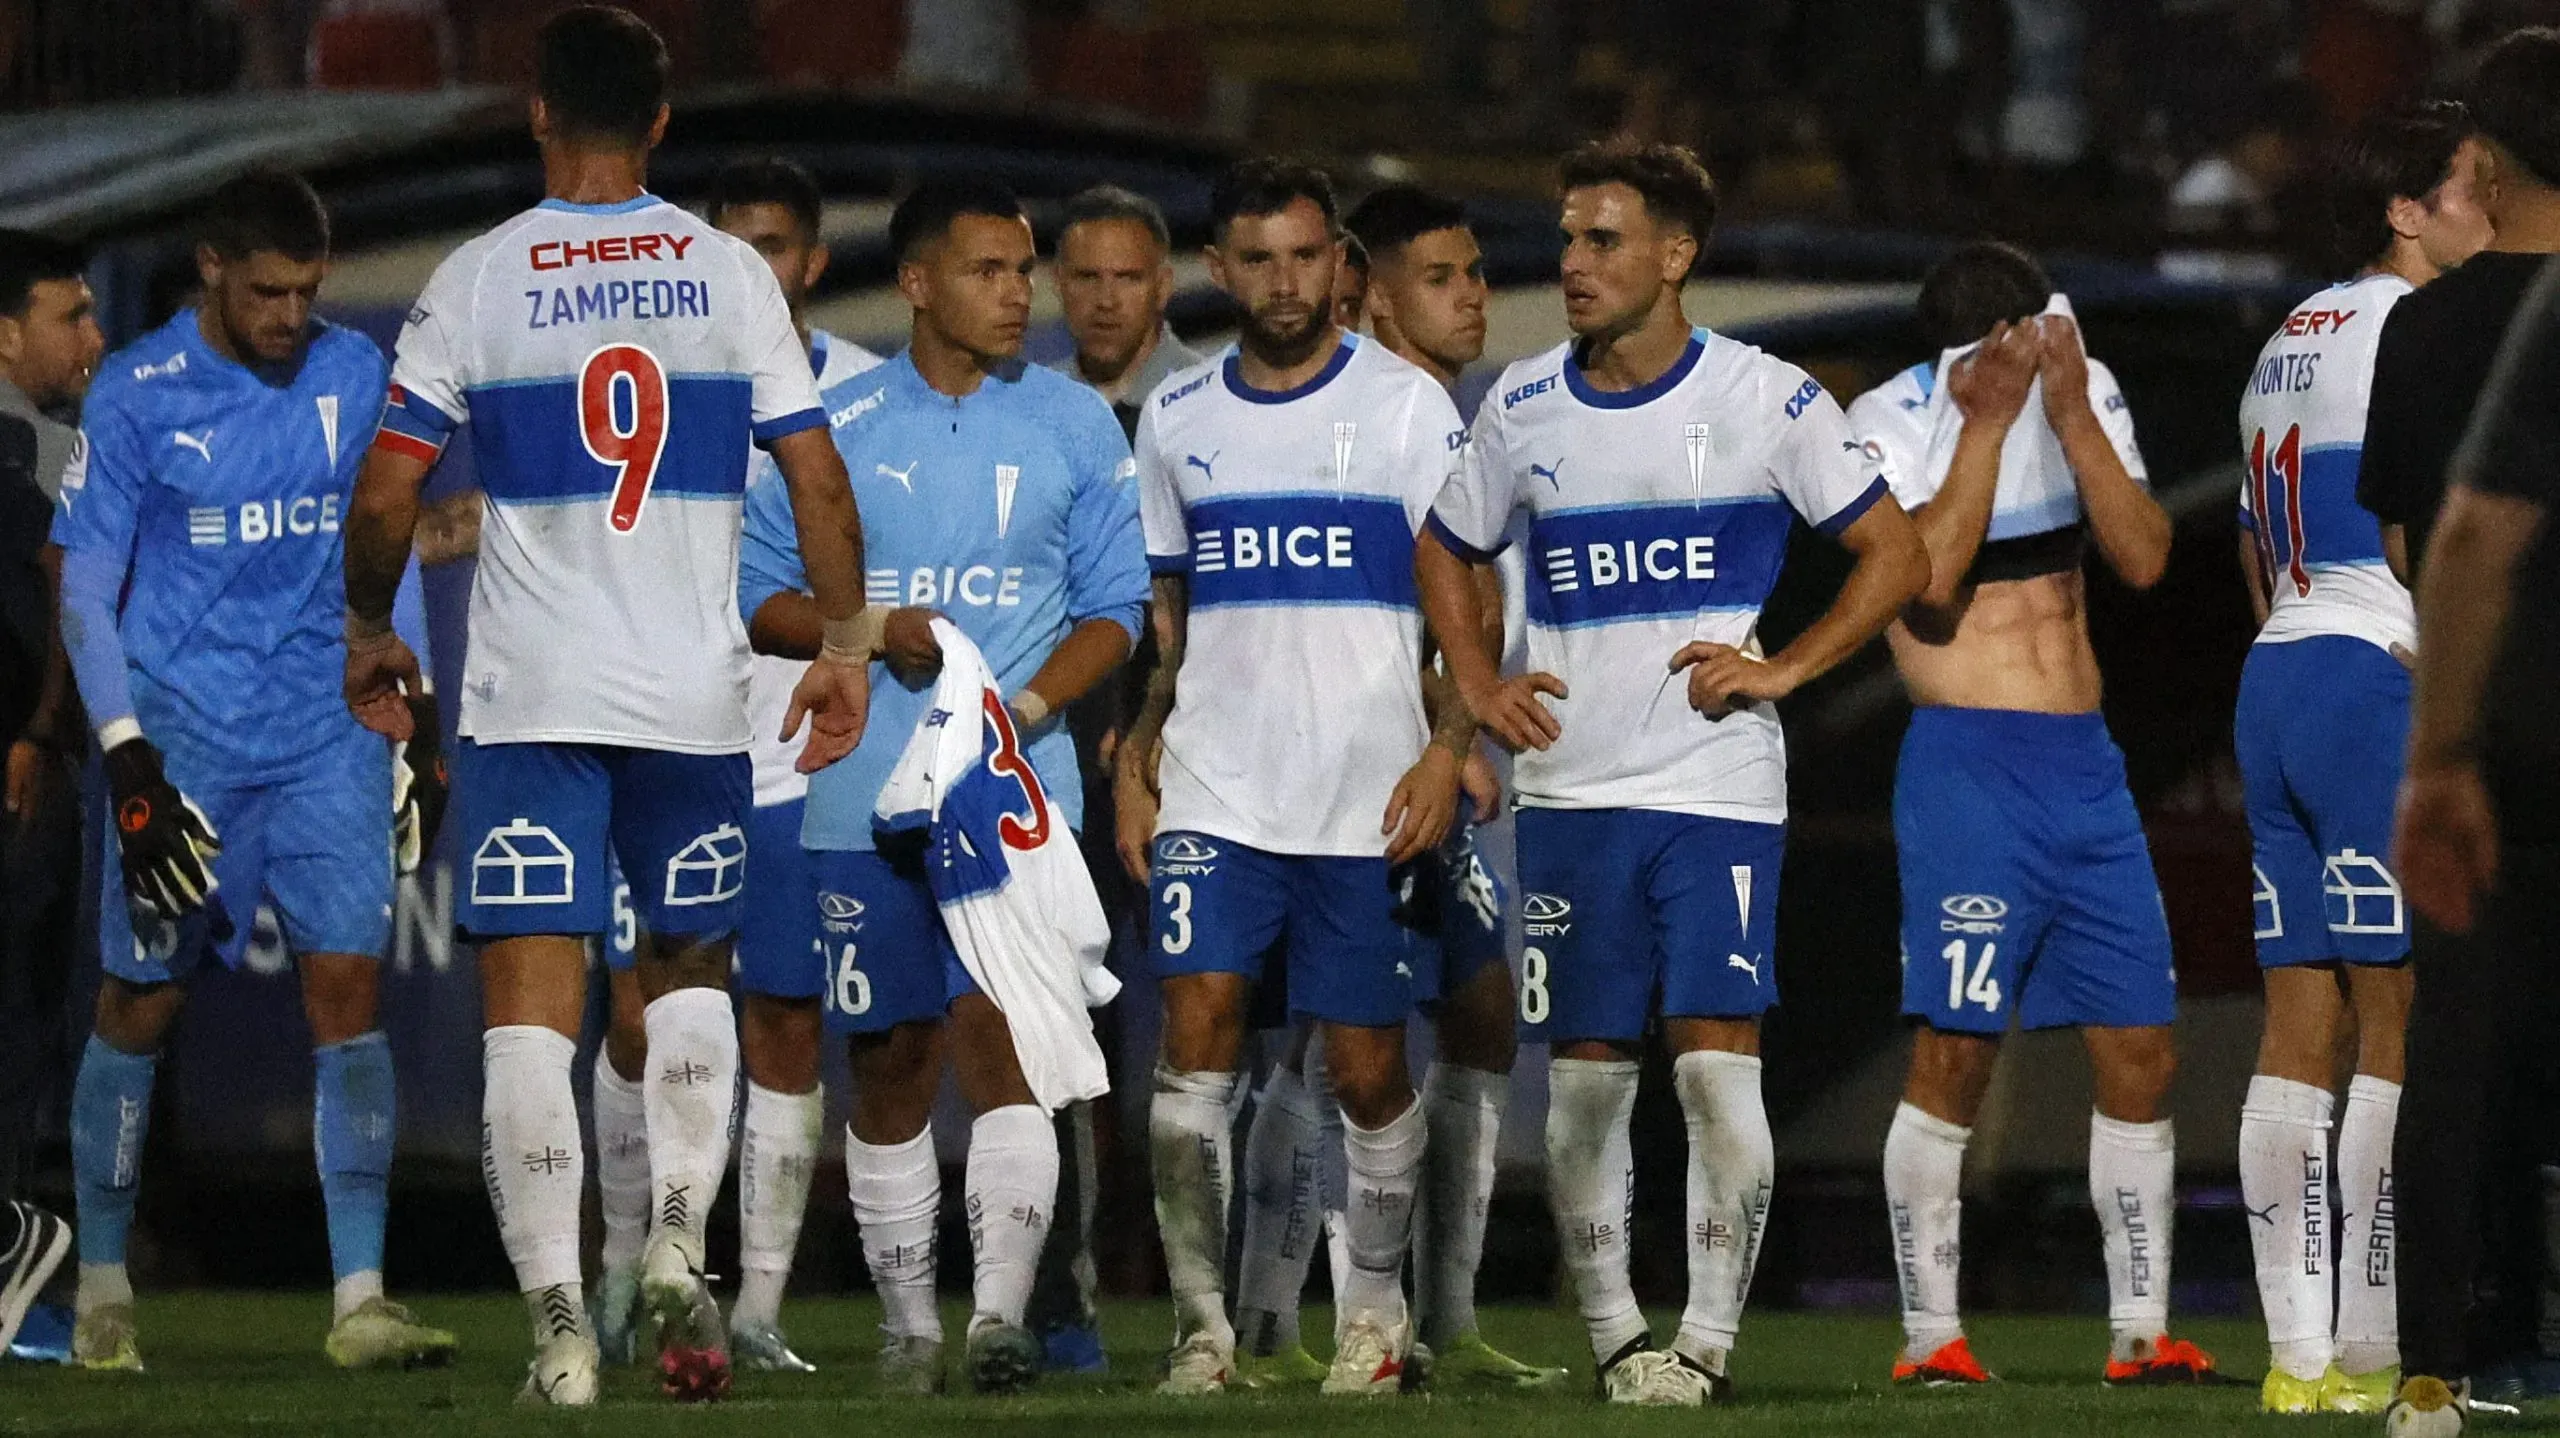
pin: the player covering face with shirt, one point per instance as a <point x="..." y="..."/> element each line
<point x="1660" y="466"/>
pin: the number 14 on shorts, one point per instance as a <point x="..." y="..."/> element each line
<point x="1972" y="983"/>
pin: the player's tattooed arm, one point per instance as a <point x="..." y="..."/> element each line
<point x="381" y="672"/>
<point x="2129" y="527"/>
<point x="1990" y="388"/>
<point x="1453" y="602"/>
<point x="1134" y="783"/>
<point x="449" y="528"/>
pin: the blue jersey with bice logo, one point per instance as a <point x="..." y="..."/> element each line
<point x="224" y="489"/>
<point x="1009" y="511"/>
<point x="1657" y="516"/>
<point x="1299" y="701"/>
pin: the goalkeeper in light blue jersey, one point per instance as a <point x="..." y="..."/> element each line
<point x="201" y="604"/>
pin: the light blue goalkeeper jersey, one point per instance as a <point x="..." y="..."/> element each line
<point x="1010" y="511"/>
<point x="218" y="492"/>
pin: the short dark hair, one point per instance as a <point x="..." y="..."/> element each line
<point x="1390" y="219"/>
<point x="1978" y="286"/>
<point x="602" y="73"/>
<point x="28" y="259"/>
<point x="927" y="212"/>
<point x="1266" y="185"/>
<point x="266" y="210"/>
<point x="2515" y="99"/>
<point x="1111" y="202"/>
<point x="1674" y="185"/>
<point x="2402" y="152"/>
<point x="766" y="180"/>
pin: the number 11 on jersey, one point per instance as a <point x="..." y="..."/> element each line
<point x="622" y="418"/>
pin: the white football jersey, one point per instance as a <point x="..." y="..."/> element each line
<point x="613" y="362"/>
<point x="2302" y="440"/>
<point x="1675" y="530"/>
<point x="1299" y="701"/>
<point x="1909" y="422"/>
<point x="770" y="680"/>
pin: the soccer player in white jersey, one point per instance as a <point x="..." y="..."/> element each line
<point x="1425" y="299"/>
<point x="1661" y="467"/>
<point x="2027" y="889"/>
<point x="614" y="355"/>
<point x="1281" y="485"/>
<point x="775" y="206"/>
<point x="2323" y="721"/>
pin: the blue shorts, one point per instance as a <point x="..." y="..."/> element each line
<point x="1630" y="912"/>
<point x="885" y="958"/>
<point x="2026" y="881"/>
<point x="537" y="819"/>
<point x="315" y="847"/>
<point x="1469" y="910"/>
<point x="2321" y="729"/>
<point x="1220" y="907"/>
<point x="778" y="951"/>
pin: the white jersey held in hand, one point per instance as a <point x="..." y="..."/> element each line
<point x="1004" y="868"/>
<point x="613" y="363"/>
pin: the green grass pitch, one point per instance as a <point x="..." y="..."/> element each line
<point x="250" y="1363"/>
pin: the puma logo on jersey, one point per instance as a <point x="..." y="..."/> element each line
<point x="1748" y="966"/>
<point x="905" y="477"/>
<point x="1207" y="467"/>
<point x="1547" y="472"/>
<point x="201" y="444"/>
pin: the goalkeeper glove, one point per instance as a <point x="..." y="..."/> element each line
<point x="418" y="786"/>
<point x="167" y="842"/>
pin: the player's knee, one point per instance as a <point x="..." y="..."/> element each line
<point x="2133" y="1076"/>
<point x="1368" y="1071"/>
<point x="341" y="996"/>
<point x="1476" y="1025"/>
<point x="1204" y="1022"/>
<point x="677" y="963"/>
<point x="1949" y="1072"/>
<point x="778" y="1038"/>
<point x="895" y="1075"/>
<point x="134" y="1018"/>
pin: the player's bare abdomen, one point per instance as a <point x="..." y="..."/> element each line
<point x="2017" y="644"/>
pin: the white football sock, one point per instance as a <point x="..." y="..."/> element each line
<point x="1284" y="1168"/>
<point x="1591" y="1176"/>
<point x="1463" y="1107"/>
<point x="1924" y="1198"/>
<point x="1385" y="1166"/>
<point x="2368" y="1289"/>
<point x="691" y="1091"/>
<point x="1012" y="1188"/>
<point x="897" y="1201"/>
<point x="622" y="1165"/>
<point x="2133" y="1182"/>
<point x="530" y="1151"/>
<point x="2284" y="1184"/>
<point x="1187" y="1142"/>
<point x="1732" y="1166"/>
<point x="777" y="1156"/>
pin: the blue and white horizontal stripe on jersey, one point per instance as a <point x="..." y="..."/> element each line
<point x="1298" y="547"/>
<point x="531" y="448"/>
<point x="2336" y="529"/>
<point x="1612" y="562"/>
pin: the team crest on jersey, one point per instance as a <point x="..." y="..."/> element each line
<point x="1694" y="435"/>
<point x="522" y="862"/>
<point x="2364" y="897"/>
<point x="1345" y="434"/>
<point x="1008" y="477"/>
<point x="710" y="870"/>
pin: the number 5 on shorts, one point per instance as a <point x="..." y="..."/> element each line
<point x="1981" y="988"/>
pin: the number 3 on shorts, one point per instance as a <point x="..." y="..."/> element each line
<point x="1177" y="912"/>
<point x="1981" y="988"/>
<point x="848" y="988"/>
